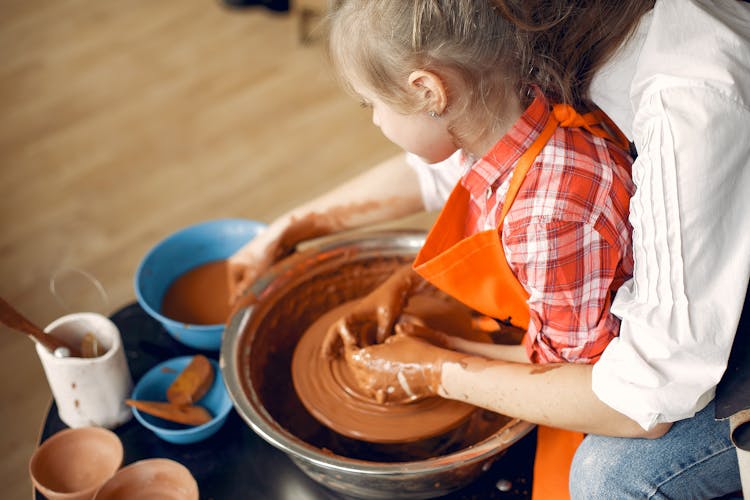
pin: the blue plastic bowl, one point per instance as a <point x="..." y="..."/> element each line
<point x="153" y="387"/>
<point x="177" y="254"/>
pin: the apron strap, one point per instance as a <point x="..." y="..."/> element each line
<point x="596" y="122"/>
<point x="525" y="162"/>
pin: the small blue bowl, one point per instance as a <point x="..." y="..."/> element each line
<point x="179" y="253"/>
<point x="153" y="387"/>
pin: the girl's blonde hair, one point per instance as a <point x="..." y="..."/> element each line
<point x="378" y="43"/>
<point x="491" y="47"/>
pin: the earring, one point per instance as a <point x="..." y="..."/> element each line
<point x="434" y="114"/>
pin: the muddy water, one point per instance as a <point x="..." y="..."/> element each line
<point x="200" y="296"/>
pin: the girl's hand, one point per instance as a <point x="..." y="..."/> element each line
<point x="400" y="370"/>
<point x="372" y="319"/>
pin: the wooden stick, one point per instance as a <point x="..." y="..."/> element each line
<point x="188" y="415"/>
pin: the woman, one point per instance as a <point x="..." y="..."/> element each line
<point x="680" y="88"/>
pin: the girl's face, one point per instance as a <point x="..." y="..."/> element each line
<point x="418" y="133"/>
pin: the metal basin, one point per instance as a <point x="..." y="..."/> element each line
<point x="256" y="355"/>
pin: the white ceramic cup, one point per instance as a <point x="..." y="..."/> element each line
<point x="88" y="391"/>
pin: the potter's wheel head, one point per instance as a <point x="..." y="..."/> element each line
<point x="328" y="390"/>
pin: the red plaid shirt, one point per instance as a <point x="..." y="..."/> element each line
<point x="566" y="237"/>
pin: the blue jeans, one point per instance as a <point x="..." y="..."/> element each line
<point x="695" y="459"/>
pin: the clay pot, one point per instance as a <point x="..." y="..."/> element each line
<point x="74" y="463"/>
<point x="152" y="478"/>
<point x="256" y="357"/>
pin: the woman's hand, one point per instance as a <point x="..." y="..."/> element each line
<point x="277" y="241"/>
<point x="402" y="369"/>
<point x="249" y="262"/>
<point x="372" y="319"/>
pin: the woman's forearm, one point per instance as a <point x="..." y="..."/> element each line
<point x="558" y="395"/>
<point x="387" y="191"/>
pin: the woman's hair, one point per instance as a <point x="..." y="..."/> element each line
<point x="490" y="47"/>
<point x="568" y="41"/>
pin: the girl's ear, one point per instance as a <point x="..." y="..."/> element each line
<point x="430" y="91"/>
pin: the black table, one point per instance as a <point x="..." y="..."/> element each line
<point x="236" y="463"/>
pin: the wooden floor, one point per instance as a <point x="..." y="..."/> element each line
<point x="123" y="121"/>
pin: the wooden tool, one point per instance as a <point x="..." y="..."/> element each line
<point x="13" y="319"/>
<point x="188" y="415"/>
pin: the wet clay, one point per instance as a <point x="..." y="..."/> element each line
<point x="200" y="296"/>
<point x="329" y="391"/>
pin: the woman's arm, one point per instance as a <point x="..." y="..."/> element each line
<point x="558" y="395"/>
<point x="690" y="217"/>
<point x="692" y="256"/>
<point x="387" y="191"/>
<point x="407" y="367"/>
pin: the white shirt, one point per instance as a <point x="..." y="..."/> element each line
<point x="680" y="88"/>
<point x="437" y="180"/>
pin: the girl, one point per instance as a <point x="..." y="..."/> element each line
<point x="443" y="76"/>
<point x="536" y="231"/>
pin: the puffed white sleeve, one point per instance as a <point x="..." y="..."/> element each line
<point x="436" y="180"/>
<point x="691" y="237"/>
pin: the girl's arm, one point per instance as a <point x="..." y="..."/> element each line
<point x="514" y="353"/>
<point x="505" y="352"/>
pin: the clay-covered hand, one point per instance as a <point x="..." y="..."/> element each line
<point x="244" y="267"/>
<point x="277" y="241"/>
<point x="372" y="319"/>
<point x="402" y="369"/>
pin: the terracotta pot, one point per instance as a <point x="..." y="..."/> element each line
<point x="73" y="463"/>
<point x="151" y="478"/>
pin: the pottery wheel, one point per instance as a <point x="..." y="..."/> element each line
<point x="328" y="389"/>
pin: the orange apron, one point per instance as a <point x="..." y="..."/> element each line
<point x="475" y="271"/>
